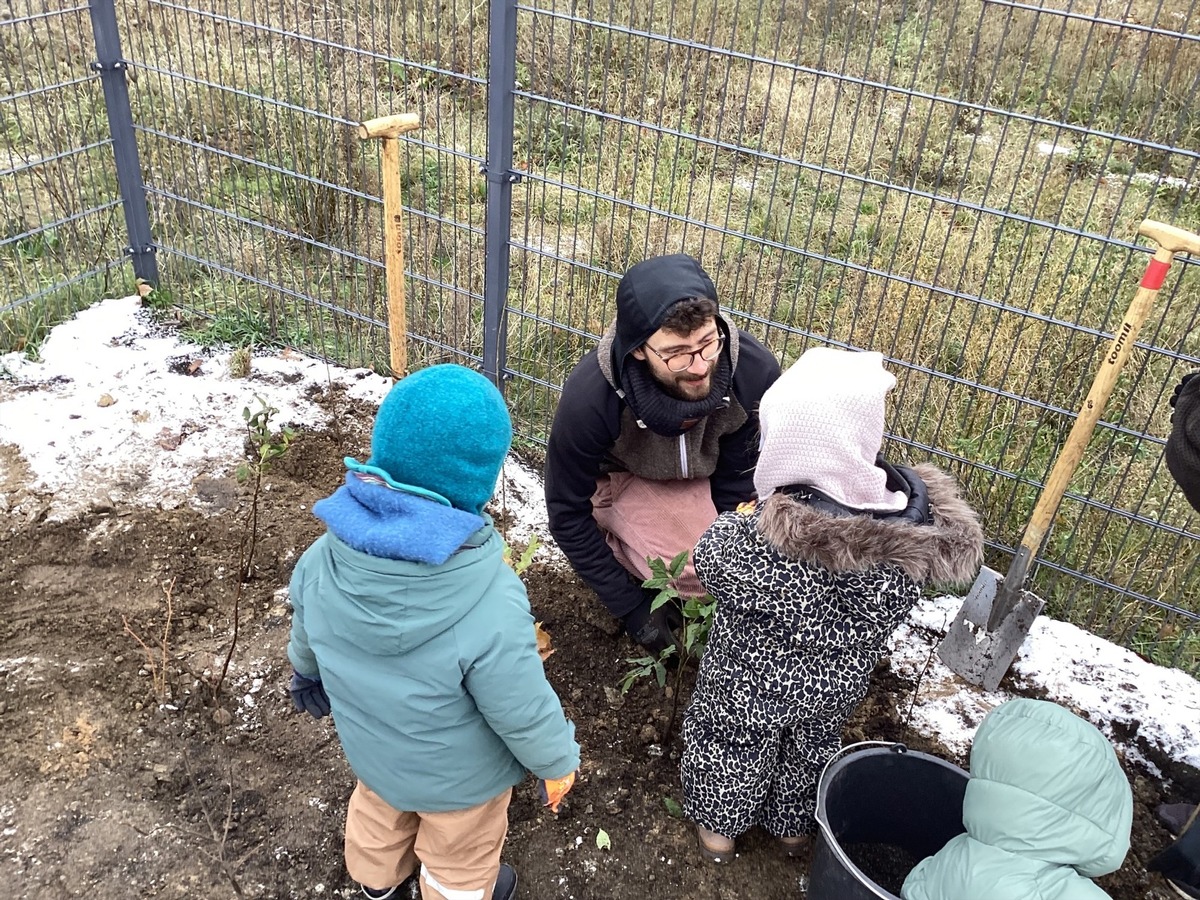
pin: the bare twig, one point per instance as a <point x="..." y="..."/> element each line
<point x="237" y="617"/>
<point x="220" y="836"/>
<point x="157" y="664"/>
<point x="912" y="705"/>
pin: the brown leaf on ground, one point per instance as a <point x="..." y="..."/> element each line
<point x="543" y="641"/>
<point x="169" y="440"/>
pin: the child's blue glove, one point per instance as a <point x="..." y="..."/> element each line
<point x="308" y="695"/>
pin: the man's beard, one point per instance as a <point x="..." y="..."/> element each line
<point x="685" y="385"/>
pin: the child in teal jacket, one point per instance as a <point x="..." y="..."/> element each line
<point x="408" y="625"/>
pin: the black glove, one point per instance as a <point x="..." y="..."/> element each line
<point x="1183" y="443"/>
<point x="308" y="695"/>
<point x="1179" y="387"/>
<point x="653" y="630"/>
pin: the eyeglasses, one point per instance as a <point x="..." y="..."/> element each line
<point x="677" y="362"/>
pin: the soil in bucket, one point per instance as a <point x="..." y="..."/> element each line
<point x="881" y="810"/>
<point x="885" y="864"/>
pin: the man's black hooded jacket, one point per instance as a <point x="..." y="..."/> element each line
<point x="596" y="430"/>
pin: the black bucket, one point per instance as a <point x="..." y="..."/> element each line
<point x="882" y="795"/>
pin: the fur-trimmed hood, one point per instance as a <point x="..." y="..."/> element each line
<point x="949" y="551"/>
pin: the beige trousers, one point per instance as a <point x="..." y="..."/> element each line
<point x="458" y="852"/>
<point x="646" y="519"/>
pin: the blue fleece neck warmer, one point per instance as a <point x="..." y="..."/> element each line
<point x="378" y="520"/>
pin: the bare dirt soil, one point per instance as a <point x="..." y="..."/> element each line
<point x="126" y="774"/>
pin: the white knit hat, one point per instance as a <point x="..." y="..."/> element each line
<point x="822" y="425"/>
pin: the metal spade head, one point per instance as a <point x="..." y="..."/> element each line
<point x="973" y="651"/>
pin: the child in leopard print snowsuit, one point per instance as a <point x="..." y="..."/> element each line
<point x="810" y="581"/>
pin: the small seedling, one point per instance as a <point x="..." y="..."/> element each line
<point x="520" y="565"/>
<point x="646" y="667"/>
<point x="602" y="840"/>
<point x="525" y="560"/>
<point x="697" y="614"/>
<point x="673" y="807"/>
<point x="268" y="447"/>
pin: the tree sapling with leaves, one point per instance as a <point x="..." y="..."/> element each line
<point x="267" y="447"/>
<point x="695" y="615"/>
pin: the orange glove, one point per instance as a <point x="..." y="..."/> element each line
<point x="553" y="790"/>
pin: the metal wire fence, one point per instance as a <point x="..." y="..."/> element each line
<point x="60" y="225"/>
<point x="955" y="185"/>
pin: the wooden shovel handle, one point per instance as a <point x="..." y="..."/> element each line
<point x="1170" y="240"/>
<point x="388" y="126"/>
<point x="389" y="129"/>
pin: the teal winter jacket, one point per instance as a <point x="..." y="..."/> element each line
<point x="432" y="672"/>
<point x="1046" y="809"/>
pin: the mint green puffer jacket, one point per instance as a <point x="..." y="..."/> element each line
<point x="1046" y="809"/>
<point x="438" y="694"/>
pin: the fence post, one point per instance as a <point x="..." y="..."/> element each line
<point x="112" y="67"/>
<point x="502" y="79"/>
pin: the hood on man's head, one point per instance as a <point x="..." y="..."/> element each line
<point x="648" y="290"/>
<point x="443" y="433"/>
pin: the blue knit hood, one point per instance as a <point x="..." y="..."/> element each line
<point x="441" y="433"/>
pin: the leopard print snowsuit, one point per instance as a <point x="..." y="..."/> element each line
<point x="806" y="600"/>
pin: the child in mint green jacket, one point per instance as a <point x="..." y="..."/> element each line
<point x="409" y="626"/>
<point x="1047" y="809"/>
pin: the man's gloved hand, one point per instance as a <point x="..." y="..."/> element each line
<point x="1179" y="388"/>
<point x="653" y="630"/>
<point x="308" y="695"/>
<point x="553" y="790"/>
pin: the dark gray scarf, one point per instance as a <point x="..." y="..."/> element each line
<point x="669" y="416"/>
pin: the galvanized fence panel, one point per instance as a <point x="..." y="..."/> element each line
<point x="267" y="206"/>
<point x="60" y="206"/>
<point x="955" y="185"/>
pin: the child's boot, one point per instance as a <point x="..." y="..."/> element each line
<point x="409" y="889"/>
<point x="506" y="883"/>
<point x="795" y="847"/>
<point x="714" y="847"/>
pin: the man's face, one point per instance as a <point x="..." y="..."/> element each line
<point x="664" y="350"/>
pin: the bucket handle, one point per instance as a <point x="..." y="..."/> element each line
<point x="899" y="748"/>
<point x="823" y="822"/>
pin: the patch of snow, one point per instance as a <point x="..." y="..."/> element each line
<point x="1152" y="180"/>
<point x="1116" y="690"/>
<point x="104" y="417"/>
<point x="521" y="503"/>
<point x="1053" y="148"/>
